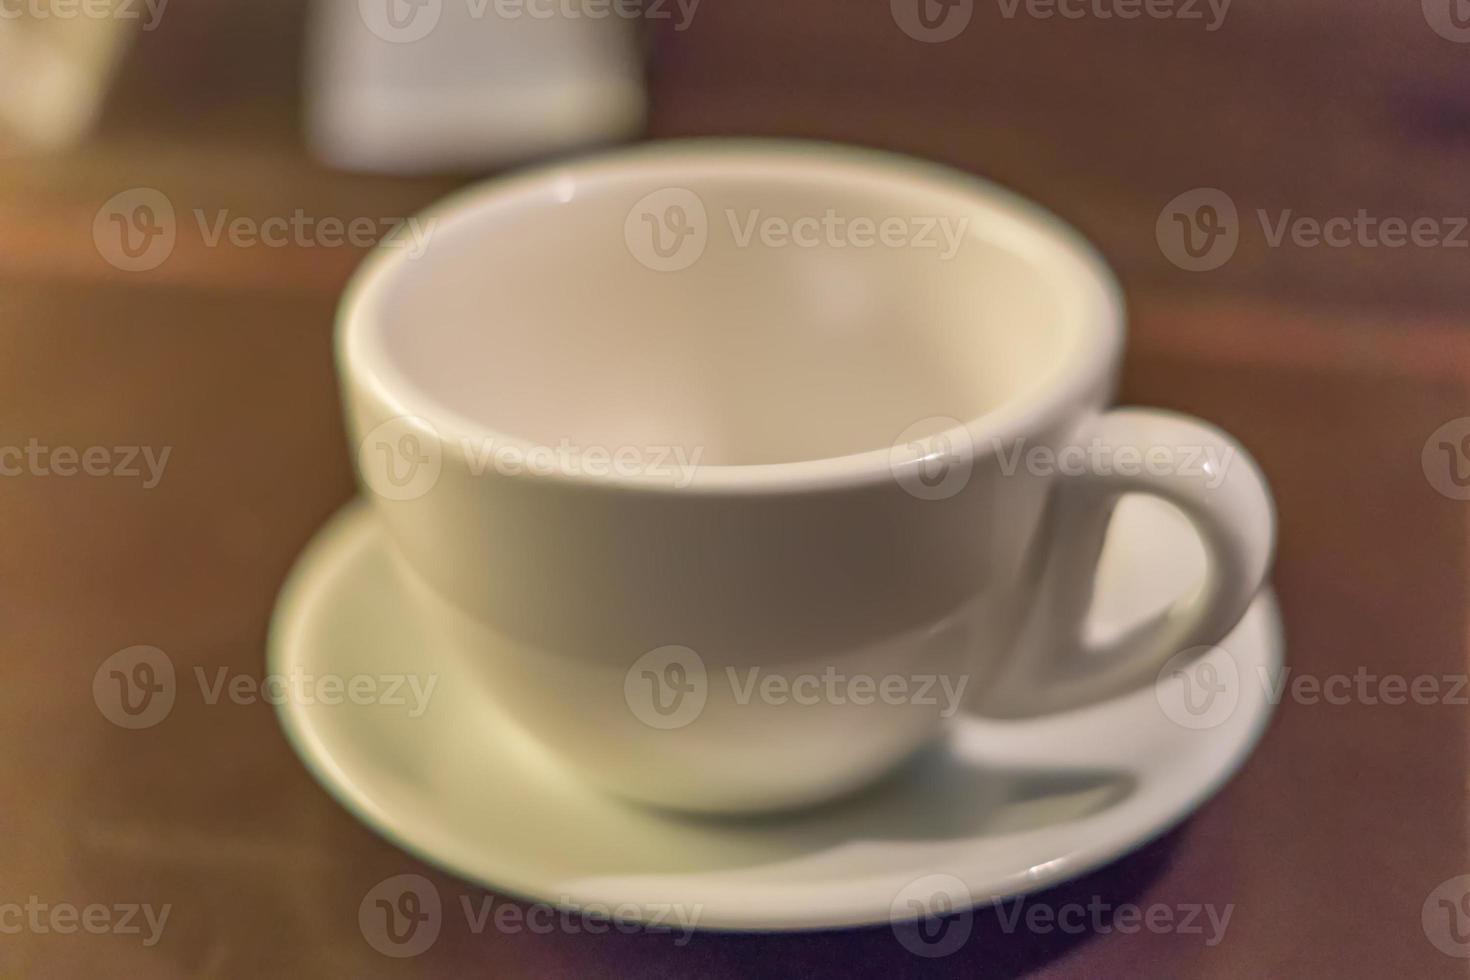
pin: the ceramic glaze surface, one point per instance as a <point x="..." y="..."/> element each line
<point x="1001" y="807"/>
<point x="832" y="451"/>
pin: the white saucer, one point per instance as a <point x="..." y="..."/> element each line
<point x="1001" y="809"/>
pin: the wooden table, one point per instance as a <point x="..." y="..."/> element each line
<point x="1334" y="365"/>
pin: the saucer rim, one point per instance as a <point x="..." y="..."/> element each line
<point x="332" y="546"/>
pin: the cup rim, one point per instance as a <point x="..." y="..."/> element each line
<point x="1084" y="367"/>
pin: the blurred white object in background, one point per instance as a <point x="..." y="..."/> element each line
<point x="56" y="60"/>
<point x="414" y="86"/>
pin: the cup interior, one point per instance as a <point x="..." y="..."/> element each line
<point x="755" y="304"/>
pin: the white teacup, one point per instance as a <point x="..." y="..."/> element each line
<point x="732" y="467"/>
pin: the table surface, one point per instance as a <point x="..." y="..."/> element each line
<point x="1334" y="365"/>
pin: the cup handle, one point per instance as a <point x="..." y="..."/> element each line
<point x="1225" y="496"/>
